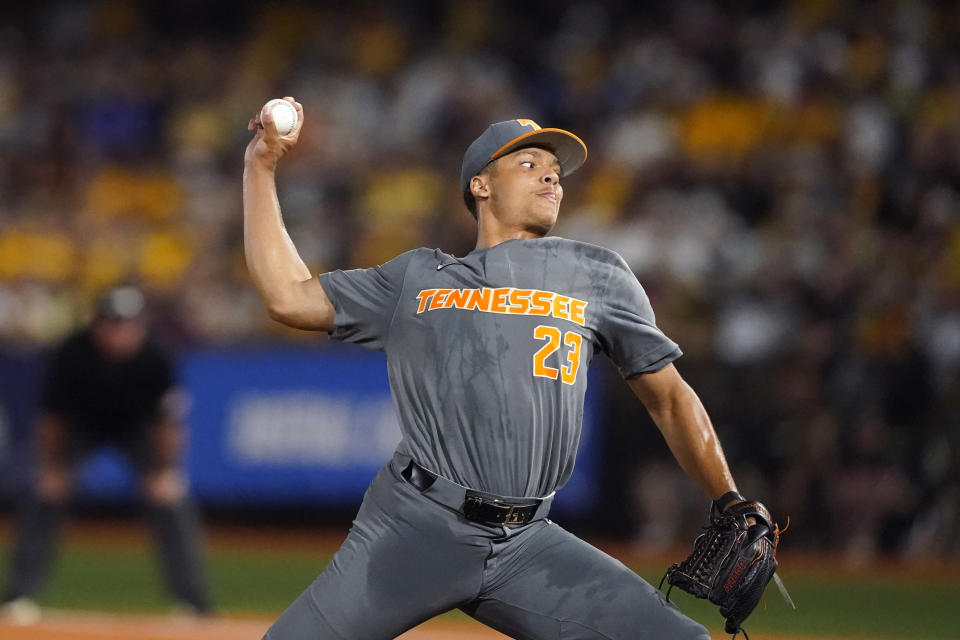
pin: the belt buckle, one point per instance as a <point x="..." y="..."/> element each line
<point x="487" y="511"/>
<point x="515" y="516"/>
<point x="493" y="512"/>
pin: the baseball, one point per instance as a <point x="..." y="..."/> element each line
<point x="284" y="115"/>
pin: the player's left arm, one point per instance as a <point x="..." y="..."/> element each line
<point x="747" y="537"/>
<point x="678" y="413"/>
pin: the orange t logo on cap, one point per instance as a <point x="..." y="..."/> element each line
<point x="528" y="123"/>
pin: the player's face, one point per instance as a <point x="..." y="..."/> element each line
<point x="118" y="339"/>
<point x="525" y="189"/>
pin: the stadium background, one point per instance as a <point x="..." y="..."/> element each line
<point x="783" y="178"/>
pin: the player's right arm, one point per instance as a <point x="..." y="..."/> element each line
<point x="292" y="295"/>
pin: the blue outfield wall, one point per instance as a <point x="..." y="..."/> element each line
<point x="19" y="378"/>
<point x="269" y="427"/>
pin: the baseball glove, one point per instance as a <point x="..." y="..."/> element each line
<point x="732" y="561"/>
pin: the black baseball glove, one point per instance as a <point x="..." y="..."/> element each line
<point x="732" y="561"/>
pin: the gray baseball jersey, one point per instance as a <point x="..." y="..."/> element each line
<point x="487" y="354"/>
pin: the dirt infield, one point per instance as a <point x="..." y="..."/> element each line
<point x="95" y="626"/>
<point x="75" y="625"/>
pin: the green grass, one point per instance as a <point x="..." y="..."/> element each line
<point x="842" y="606"/>
<point x="123" y="579"/>
<point x="100" y="577"/>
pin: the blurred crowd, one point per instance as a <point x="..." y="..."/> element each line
<point x="783" y="178"/>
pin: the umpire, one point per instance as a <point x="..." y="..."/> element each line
<point x="109" y="384"/>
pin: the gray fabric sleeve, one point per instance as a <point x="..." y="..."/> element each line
<point x="628" y="329"/>
<point x="365" y="301"/>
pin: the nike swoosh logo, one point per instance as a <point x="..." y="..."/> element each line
<point x="445" y="264"/>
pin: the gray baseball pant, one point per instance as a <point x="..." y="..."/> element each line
<point x="408" y="558"/>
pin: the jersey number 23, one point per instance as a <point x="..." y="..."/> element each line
<point x="571" y="342"/>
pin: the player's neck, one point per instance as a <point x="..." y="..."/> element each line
<point x="491" y="231"/>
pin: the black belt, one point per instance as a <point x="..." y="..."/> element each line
<point x="478" y="507"/>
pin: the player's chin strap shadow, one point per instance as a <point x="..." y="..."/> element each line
<point x="730" y="626"/>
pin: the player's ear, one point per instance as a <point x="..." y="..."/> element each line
<point x="480" y="186"/>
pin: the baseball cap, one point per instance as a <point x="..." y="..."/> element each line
<point x="121" y="303"/>
<point x="501" y="138"/>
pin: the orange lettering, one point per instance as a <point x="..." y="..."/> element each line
<point x="424" y="297"/>
<point x="439" y="298"/>
<point x="499" y="302"/>
<point x="540" y="303"/>
<point x="561" y="307"/>
<point x="532" y="302"/>
<point x="519" y="301"/>
<point x="479" y="299"/>
<point x="457" y="298"/>
<point x="578" y="311"/>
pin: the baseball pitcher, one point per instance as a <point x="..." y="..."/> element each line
<point x="487" y="357"/>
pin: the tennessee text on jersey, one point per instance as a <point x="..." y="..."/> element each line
<point x="527" y="302"/>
